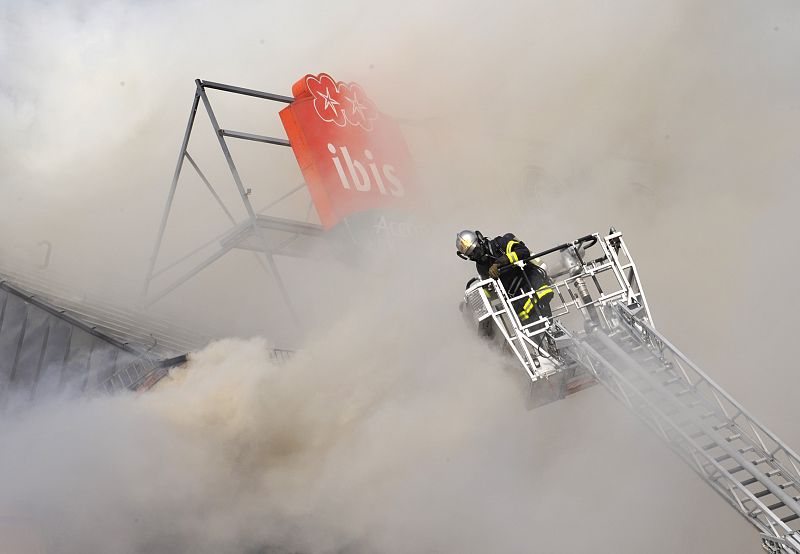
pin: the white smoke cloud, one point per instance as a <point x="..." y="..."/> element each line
<point x="359" y="444"/>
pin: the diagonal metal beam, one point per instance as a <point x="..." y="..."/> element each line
<point x="171" y="196"/>
<point x="246" y="201"/>
<point x="210" y="188"/>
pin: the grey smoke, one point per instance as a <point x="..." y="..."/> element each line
<point x="394" y="431"/>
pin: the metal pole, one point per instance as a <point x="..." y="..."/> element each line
<point x="171" y="196"/>
<point x="248" y="206"/>
<point x="255" y="138"/>
<point x="246" y="91"/>
<point x="210" y="188"/>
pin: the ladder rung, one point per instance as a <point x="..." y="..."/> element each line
<point x="671" y="381"/>
<point x="789" y="518"/>
<point x="763" y="493"/>
<point x="737" y="468"/>
<point x="682" y="392"/>
<point x="722" y="425"/>
<point x="710" y="446"/>
<point x="733" y="437"/>
<point x="707" y="415"/>
<point x="750" y="448"/>
<point x="748" y="482"/>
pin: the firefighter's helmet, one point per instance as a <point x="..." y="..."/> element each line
<point x="466" y="243"/>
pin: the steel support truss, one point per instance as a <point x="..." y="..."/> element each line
<point x="252" y="230"/>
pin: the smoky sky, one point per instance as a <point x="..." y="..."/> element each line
<point x="395" y="431"/>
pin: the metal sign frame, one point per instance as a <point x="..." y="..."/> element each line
<point x="254" y="225"/>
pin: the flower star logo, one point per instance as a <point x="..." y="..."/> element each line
<point x="358" y="107"/>
<point x="354" y="107"/>
<point x="329" y="102"/>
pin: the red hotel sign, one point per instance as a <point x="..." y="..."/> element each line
<point x="353" y="157"/>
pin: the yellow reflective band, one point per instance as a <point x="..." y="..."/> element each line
<point x="527" y="307"/>
<point x="512" y="256"/>
<point x="543" y="291"/>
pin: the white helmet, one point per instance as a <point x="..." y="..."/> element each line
<point x="466" y="243"/>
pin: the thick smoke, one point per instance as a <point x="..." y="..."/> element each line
<point x="394" y="430"/>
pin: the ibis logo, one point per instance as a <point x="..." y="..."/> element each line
<point x="353" y="157"/>
<point x="385" y="178"/>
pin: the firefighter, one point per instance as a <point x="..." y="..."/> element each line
<point x="490" y="256"/>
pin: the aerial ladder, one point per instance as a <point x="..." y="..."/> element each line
<point x="601" y="331"/>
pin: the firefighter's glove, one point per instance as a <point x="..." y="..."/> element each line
<point x="494" y="271"/>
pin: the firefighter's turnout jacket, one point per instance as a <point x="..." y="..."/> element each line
<point x="514" y="280"/>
